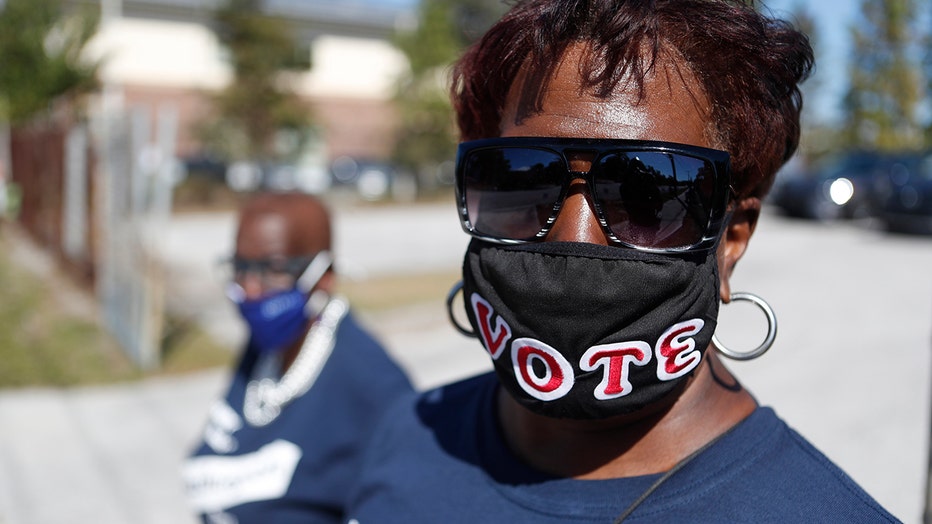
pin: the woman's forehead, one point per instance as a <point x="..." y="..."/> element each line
<point x="672" y="108"/>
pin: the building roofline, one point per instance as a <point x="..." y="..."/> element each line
<point x="344" y="17"/>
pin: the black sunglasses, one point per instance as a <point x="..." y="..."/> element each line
<point x="648" y="195"/>
<point x="290" y="266"/>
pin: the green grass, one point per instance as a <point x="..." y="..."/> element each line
<point x="380" y="294"/>
<point x="44" y="343"/>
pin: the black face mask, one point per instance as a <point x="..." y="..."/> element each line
<point x="585" y="331"/>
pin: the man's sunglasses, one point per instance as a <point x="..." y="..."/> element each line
<point x="290" y="266"/>
<point x="274" y="273"/>
<point x="652" y="196"/>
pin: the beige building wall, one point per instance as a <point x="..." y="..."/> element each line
<point x="152" y="63"/>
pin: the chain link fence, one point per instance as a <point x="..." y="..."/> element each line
<point x="98" y="195"/>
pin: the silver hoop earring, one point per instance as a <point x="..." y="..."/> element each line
<point x="771" y="330"/>
<point x="450" y="296"/>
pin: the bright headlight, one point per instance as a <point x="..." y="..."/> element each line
<point x="841" y="191"/>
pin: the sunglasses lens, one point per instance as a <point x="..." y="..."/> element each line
<point x="655" y="199"/>
<point x="273" y="273"/>
<point x="511" y="192"/>
<point x="651" y="195"/>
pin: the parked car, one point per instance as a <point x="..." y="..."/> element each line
<point x="838" y="187"/>
<point x="205" y="165"/>
<point x="370" y="179"/>
<point x="244" y="176"/>
<point x="904" y="195"/>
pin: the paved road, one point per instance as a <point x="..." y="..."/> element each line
<point x="850" y="369"/>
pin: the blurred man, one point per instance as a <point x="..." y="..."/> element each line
<point x="310" y="385"/>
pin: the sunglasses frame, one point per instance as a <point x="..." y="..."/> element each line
<point x="268" y="268"/>
<point x="720" y="161"/>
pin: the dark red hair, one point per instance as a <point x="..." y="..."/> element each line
<point x="748" y="64"/>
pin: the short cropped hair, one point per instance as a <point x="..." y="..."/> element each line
<point x="749" y="65"/>
<point x="307" y="217"/>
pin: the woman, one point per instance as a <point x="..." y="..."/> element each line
<point x="614" y="159"/>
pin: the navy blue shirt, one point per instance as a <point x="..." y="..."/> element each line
<point x="441" y="458"/>
<point x="298" y="467"/>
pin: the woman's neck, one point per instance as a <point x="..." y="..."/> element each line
<point x="639" y="444"/>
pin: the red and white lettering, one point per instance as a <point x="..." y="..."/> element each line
<point x="676" y="350"/>
<point x="615" y="358"/>
<point x="557" y="379"/>
<point x="494" y="339"/>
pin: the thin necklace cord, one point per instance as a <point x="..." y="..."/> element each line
<point x="678" y="466"/>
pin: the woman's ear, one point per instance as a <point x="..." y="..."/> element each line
<point x="735" y="240"/>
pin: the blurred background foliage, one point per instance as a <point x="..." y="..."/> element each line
<point x="40" y="53"/>
<point x="258" y="104"/>
<point x="427" y="134"/>
<point x="887" y="83"/>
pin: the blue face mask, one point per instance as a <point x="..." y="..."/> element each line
<point x="277" y="320"/>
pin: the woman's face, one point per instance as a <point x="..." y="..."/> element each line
<point x="672" y="111"/>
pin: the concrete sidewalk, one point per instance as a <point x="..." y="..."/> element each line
<point x="113" y="454"/>
<point x="850" y="371"/>
<point x="100" y="454"/>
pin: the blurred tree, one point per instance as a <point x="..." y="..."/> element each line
<point x="427" y="135"/>
<point x="882" y="105"/>
<point x="258" y="105"/>
<point x="40" y="53"/>
<point x="927" y="69"/>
